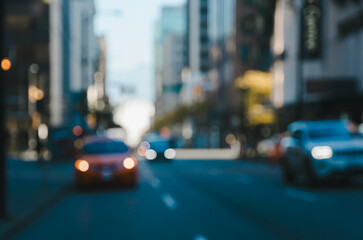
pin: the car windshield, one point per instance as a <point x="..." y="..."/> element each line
<point x="105" y="148"/>
<point x="159" y="143"/>
<point x="327" y="133"/>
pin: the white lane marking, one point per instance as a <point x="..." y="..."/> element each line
<point x="145" y="170"/>
<point x="200" y="237"/>
<point x="169" y="201"/>
<point x="155" y="183"/>
<point x="301" y="195"/>
<point x="243" y="179"/>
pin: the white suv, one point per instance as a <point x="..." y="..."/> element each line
<point x="318" y="150"/>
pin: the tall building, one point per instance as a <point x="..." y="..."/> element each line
<point x="27" y="85"/>
<point x="198" y="36"/>
<point x="253" y="59"/>
<point x="239" y="39"/>
<point x="198" y="51"/>
<point x="174" y="61"/>
<point x="100" y="75"/>
<point x="222" y="25"/>
<point x="318" y="68"/>
<point x="170" y="57"/>
<point x="73" y="60"/>
<point x="100" y="116"/>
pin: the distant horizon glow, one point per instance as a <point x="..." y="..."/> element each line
<point x="135" y="117"/>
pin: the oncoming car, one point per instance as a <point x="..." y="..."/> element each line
<point x="156" y="147"/>
<point x="106" y="161"/>
<point x="319" y="150"/>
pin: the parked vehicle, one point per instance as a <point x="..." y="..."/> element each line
<point x="319" y="150"/>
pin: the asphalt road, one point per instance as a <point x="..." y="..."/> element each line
<point x="201" y="200"/>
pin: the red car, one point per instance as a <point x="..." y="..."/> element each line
<point x="105" y="161"/>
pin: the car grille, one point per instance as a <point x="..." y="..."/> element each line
<point x="348" y="153"/>
<point x="99" y="168"/>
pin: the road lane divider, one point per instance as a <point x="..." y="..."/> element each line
<point x="155" y="183"/>
<point x="300" y="195"/>
<point x="169" y="201"/>
<point x="145" y="171"/>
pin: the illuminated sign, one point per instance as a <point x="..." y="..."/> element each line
<point x="311" y="29"/>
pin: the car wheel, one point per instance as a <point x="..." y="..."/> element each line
<point x="309" y="177"/>
<point x="347" y="180"/>
<point x="287" y="175"/>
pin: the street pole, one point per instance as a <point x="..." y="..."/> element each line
<point x="3" y="190"/>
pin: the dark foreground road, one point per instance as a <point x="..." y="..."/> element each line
<point x="200" y="200"/>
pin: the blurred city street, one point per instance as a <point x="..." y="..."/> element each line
<point x="205" y="199"/>
<point x="181" y="119"/>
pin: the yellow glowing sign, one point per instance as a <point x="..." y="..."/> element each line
<point x="258" y="85"/>
<point x="256" y="81"/>
<point x="259" y="114"/>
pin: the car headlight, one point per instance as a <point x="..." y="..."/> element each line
<point x="322" y="152"/>
<point x="82" y="165"/>
<point x="150" y="154"/>
<point x="129" y="163"/>
<point x="170" y="153"/>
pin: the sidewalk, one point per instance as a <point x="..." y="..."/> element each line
<point x="31" y="188"/>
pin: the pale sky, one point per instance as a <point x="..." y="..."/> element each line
<point x="129" y="39"/>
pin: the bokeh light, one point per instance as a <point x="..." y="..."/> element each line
<point x="43" y="131"/>
<point x="129" y="163"/>
<point x="144" y="146"/>
<point x="170" y="153"/>
<point x="150" y="154"/>
<point x="231" y="139"/>
<point x="165" y="132"/>
<point x="82" y="165"/>
<point x="35" y="94"/>
<point x="77" y="131"/>
<point x="5" y="64"/>
<point x="78" y="144"/>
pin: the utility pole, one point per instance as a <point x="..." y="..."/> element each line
<point x="3" y="184"/>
